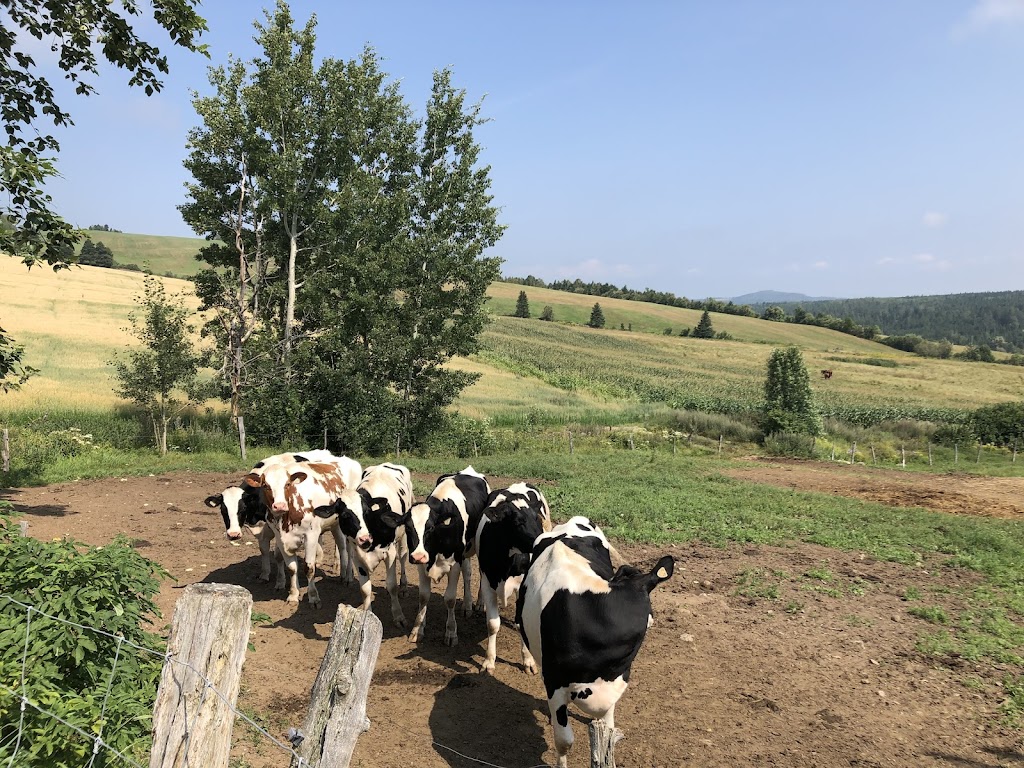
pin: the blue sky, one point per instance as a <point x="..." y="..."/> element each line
<point x="843" y="148"/>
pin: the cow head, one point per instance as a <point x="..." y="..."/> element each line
<point x="436" y="535"/>
<point x="349" y="509"/>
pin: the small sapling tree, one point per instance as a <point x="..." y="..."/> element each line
<point x="788" y="400"/>
<point x="522" y="306"/>
<point x="161" y="376"/>
<point x="547" y="314"/>
<point x="596" y="317"/>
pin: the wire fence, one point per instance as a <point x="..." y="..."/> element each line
<point x="16" y="743"/>
<point x="23" y="743"/>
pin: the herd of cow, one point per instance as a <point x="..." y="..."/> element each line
<point x="581" y="620"/>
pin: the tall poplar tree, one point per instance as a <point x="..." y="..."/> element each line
<point x="373" y="225"/>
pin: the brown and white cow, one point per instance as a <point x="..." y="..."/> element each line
<point x="371" y="516"/>
<point x="442" y="542"/>
<point x="584" y="622"/>
<point x="291" y="493"/>
<point x="513" y="518"/>
<point x="241" y="506"/>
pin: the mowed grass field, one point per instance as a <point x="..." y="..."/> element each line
<point x="73" y="322"/>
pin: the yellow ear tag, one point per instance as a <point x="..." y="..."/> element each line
<point x="662" y="573"/>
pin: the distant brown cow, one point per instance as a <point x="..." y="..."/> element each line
<point x="826" y="374"/>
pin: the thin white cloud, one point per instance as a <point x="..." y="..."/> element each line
<point x="819" y="265"/>
<point x="923" y="258"/>
<point x="933" y="219"/>
<point x="887" y="260"/>
<point x="987" y="14"/>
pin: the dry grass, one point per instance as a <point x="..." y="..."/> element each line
<point x="71" y="323"/>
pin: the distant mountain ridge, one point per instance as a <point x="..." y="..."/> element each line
<point x="768" y="297"/>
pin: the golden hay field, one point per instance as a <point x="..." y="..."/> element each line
<point x="73" y="322"/>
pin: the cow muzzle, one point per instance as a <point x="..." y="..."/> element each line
<point x="364" y="542"/>
<point x="420" y="558"/>
<point x="233" y="535"/>
<point x="280" y="506"/>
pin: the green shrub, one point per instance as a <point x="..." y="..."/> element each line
<point x="999" y="424"/>
<point x="711" y="425"/>
<point x="460" y="436"/>
<point x="954" y="434"/>
<point x="797" y="445"/>
<point x="68" y="668"/>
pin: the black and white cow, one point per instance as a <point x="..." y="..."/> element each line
<point x="441" y="543"/>
<point x="584" y="622"/>
<point x="513" y="518"/>
<point x="372" y="516"/>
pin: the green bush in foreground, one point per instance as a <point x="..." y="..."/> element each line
<point x="68" y="669"/>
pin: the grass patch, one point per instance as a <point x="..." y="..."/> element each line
<point x="758" y="584"/>
<point x="931" y="613"/>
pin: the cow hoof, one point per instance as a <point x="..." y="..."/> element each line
<point x="314" y="602"/>
<point x="263" y="577"/>
<point x="451" y="640"/>
<point x="292" y="600"/>
<point x="487" y="668"/>
<point x="467" y="611"/>
<point x="531" y="668"/>
<point x="401" y="623"/>
<point x="416" y="637"/>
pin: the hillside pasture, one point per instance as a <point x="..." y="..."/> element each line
<point x="73" y="322"/>
<point x="159" y="254"/>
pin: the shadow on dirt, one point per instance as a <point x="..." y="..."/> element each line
<point x="467" y="730"/>
<point x="36" y="510"/>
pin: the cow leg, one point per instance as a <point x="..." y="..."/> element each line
<point x="281" y="566"/>
<point x="402" y="546"/>
<point x="558" y="707"/>
<point x="529" y="664"/>
<point x="467" y="590"/>
<point x="265" y="539"/>
<point x="419" y="627"/>
<point x="291" y="563"/>
<point x="344" y="558"/>
<point x="490" y="603"/>
<point x="392" y="582"/>
<point x="451" y="629"/>
<point x="312" y="546"/>
<point x="365" y="587"/>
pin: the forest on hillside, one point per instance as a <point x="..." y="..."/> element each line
<point x="993" y="319"/>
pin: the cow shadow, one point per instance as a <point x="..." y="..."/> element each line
<point x="466" y="730"/>
<point x="21" y="509"/>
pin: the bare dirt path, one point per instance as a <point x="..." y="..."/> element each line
<point x="825" y="674"/>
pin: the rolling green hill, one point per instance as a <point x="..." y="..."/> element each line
<point x="159" y="254"/>
<point x="72" y="322"/>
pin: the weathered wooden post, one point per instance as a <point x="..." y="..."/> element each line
<point x="903" y="455"/>
<point x="5" y="451"/>
<point x="570" y="443"/>
<point x="1014" y="452"/>
<point x="337" y="708"/>
<point x="853" y="453"/>
<point x="719" y="445"/>
<point x="929" y="454"/>
<point x="602" y="744"/>
<point x="956" y="453"/>
<point x="873" y="454"/>
<point x="209" y="633"/>
<point x="978" y="460"/>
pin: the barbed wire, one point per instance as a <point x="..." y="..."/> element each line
<point x="97" y="739"/>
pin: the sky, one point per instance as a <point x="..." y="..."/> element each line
<point x="845" y="148"/>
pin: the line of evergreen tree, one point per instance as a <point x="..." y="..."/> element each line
<point x="649" y="295"/>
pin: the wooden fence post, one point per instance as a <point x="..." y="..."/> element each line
<point x="5" y="451"/>
<point x="929" y="454"/>
<point x="570" y="443"/>
<point x="602" y="744"/>
<point x="719" y="445"/>
<point x="903" y="454"/>
<point x="191" y="723"/>
<point x="337" y="708"/>
<point x="873" y="454"/>
<point x="978" y="460"/>
<point x="853" y="453"/>
<point x="956" y="453"/>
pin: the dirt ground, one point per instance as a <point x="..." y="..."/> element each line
<point x="825" y="674"/>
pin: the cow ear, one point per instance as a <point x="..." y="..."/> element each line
<point x="297" y="477"/>
<point x="327" y="511"/>
<point x="214" y="501"/>
<point x="662" y="572"/>
<point x="391" y="520"/>
<point x="253" y="480"/>
<point x="520" y="564"/>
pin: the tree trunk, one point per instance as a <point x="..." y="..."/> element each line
<point x="209" y="632"/>
<point x="240" y="420"/>
<point x="289" y="313"/>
